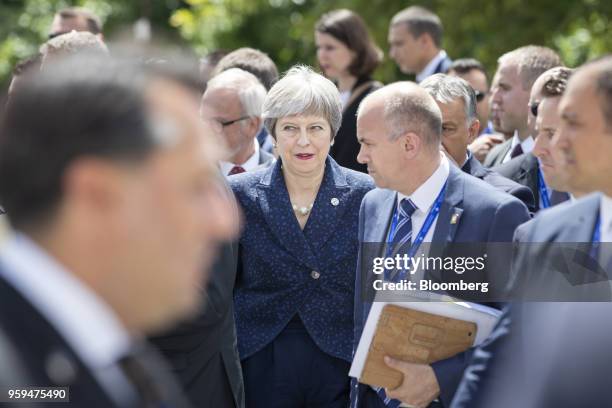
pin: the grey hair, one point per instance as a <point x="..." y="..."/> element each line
<point x="445" y="89"/>
<point x="409" y="108"/>
<point x="302" y="91"/>
<point x="250" y="91"/>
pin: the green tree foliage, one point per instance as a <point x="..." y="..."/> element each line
<point x="483" y="29"/>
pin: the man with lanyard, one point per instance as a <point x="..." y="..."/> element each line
<point x="421" y="198"/>
<point x="574" y="349"/>
<point x="552" y="184"/>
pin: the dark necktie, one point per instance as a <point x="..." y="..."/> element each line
<point x="557" y="197"/>
<point x="402" y="236"/>
<point x="236" y="170"/>
<point x="152" y="380"/>
<point x="517" y="151"/>
<point x="403" y="230"/>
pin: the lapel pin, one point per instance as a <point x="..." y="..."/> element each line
<point x="454" y="218"/>
<point x="335" y="201"/>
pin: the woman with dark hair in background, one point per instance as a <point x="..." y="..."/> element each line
<point x="347" y="55"/>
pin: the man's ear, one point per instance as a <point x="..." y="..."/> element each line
<point x="94" y="183"/>
<point x="410" y="143"/>
<point x="425" y="40"/>
<point x="254" y="123"/>
<point x="473" y="130"/>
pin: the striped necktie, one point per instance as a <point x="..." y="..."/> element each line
<point x="402" y="236"/>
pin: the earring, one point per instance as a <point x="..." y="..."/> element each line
<point x="274" y="145"/>
<point x="332" y="142"/>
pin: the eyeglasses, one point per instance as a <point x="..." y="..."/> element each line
<point x="533" y="108"/>
<point x="231" y="122"/>
<point x="480" y="95"/>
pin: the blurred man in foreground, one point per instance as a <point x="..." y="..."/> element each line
<point x="556" y="354"/>
<point x="116" y="211"/>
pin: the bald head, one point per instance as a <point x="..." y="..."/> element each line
<point x="407" y="108"/>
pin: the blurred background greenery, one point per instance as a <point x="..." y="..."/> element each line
<point x="483" y="29"/>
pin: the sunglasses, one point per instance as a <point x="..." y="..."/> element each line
<point x="533" y="108"/>
<point x="480" y="95"/>
<point x="57" y="34"/>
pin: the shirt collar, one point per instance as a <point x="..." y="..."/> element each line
<point x="526" y="145"/>
<point x="430" y="68"/>
<point x="249" y="165"/>
<point x="82" y="318"/>
<point x="606" y="216"/>
<point x="424" y="196"/>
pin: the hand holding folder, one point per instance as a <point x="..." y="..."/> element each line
<point x="417" y="332"/>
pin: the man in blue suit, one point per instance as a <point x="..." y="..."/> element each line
<point x="460" y="125"/>
<point x="580" y="357"/>
<point x="415" y="43"/>
<point x="399" y="128"/>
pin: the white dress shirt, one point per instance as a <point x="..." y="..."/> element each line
<point x="345" y="96"/>
<point x="424" y="197"/>
<point x="249" y="165"/>
<point x="83" y="319"/>
<point x="430" y="68"/>
<point x="526" y="145"/>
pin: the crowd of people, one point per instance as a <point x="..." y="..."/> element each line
<point x="182" y="238"/>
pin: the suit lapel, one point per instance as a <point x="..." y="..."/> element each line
<point x="450" y="214"/>
<point x="275" y="205"/>
<point x="581" y="227"/>
<point x="528" y="176"/>
<point x="329" y="207"/>
<point x="377" y="223"/>
<point x="473" y="167"/>
<point x="504" y="148"/>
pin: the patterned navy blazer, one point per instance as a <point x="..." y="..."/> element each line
<point x="284" y="271"/>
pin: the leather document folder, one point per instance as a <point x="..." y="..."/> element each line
<point x="413" y="336"/>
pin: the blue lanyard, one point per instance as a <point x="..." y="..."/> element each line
<point x="596" y="239"/>
<point x="544" y="198"/>
<point x="431" y="216"/>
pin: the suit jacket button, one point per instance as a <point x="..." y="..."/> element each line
<point x="315" y="275"/>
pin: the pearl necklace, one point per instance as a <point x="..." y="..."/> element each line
<point x="303" y="211"/>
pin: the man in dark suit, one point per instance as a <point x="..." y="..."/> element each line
<point x="516" y="72"/>
<point x="415" y="43"/>
<point x="577" y="352"/>
<point x="233" y="101"/>
<point x="415" y="180"/>
<point x="457" y="102"/>
<point x="108" y="243"/>
<point x="203" y="351"/>
<point x="537" y="170"/>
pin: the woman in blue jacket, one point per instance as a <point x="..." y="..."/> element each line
<point x="295" y="287"/>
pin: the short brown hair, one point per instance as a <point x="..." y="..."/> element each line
<point x="350" y="29"/>
<point x="72" y="43"/>
<point x="94" y="25"/>
<point x="251" y="60"/>
<point x="555" y="81"/>
<point x="420" y="21"/>
<point x="532" y="61"/>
